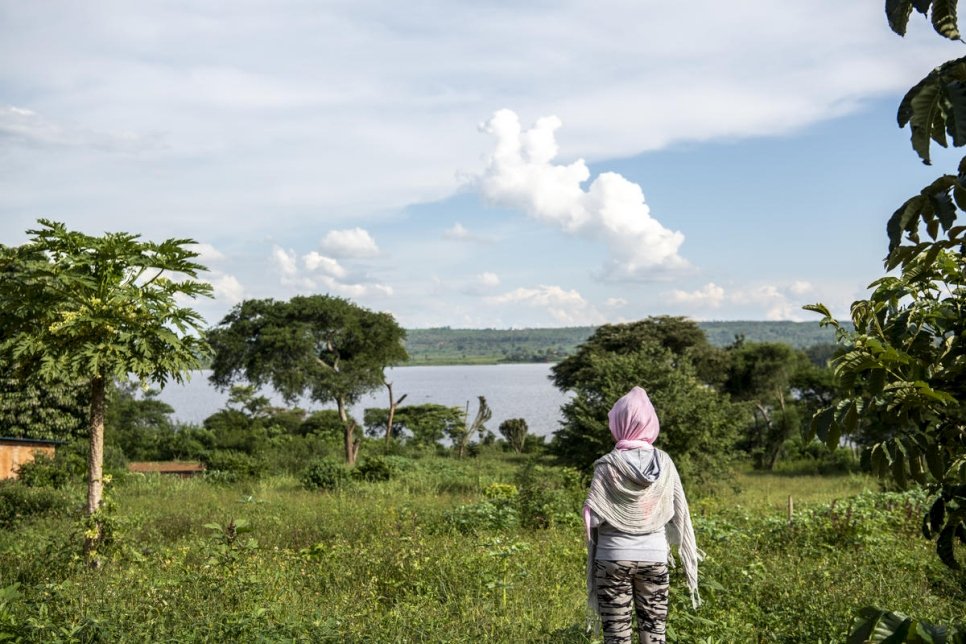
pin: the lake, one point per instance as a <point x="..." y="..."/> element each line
<point x="511" y="390"/>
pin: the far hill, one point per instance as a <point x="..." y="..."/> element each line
<point x="489" y="346"/>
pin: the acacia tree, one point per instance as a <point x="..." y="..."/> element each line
<point x="902" y="368"/>
<point x="96" y="309"/>
<point x="322" y="347"/>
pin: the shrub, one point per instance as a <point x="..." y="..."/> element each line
<point x="18" y="502"/>
<point x="225" y="465"/>
<point x="375" y="468"/>
<point x="44" y="471"/>
<point x="326" y="474"/>
<point x="496" y="512"/>
<point x="549" y="495"/>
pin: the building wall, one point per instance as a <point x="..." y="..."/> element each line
<point x="12" y="455"/>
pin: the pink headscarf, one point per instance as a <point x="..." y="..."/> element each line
<point x="633" y="421"/>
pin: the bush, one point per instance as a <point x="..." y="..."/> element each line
<point x="496" y="512"/>
<point x="43" y="471"/>
<point x="225" y="465"/>
<point x="326" y="474"/>
<point x="375" y="468"/>
<point x="18" y="502"/>
<point x="549" y="495"/>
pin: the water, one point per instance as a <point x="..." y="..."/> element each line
<point x="511" y="390"/>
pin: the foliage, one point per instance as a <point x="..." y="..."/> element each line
<point x="322" y="347"/>
<point x="375" y="468"/>
<point x="460" y="434"/>
<point x="875" y="625"/>
<point x="902" y="371"/>
<point x="326" y="474"/>
<point x="43" y="471"/>
<point x="19" y="502"/>
<point x="683" y="339"/>
<point x="699" y="426"/>
<point x="426" y="423"/>
<point x="227" y="465"/>
<point x="76" y="307"/>
<point x="514" y="430"/>
<point x="32" y="408"/>
<point x="490" y="346"/>
<point x="777" y="381"/>
<point x="549" y="497"/>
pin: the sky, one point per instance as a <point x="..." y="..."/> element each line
<point x="485" y="164"/>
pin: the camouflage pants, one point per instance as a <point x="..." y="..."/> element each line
<point x="619" y="583"/>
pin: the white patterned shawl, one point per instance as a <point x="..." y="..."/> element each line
<point x="621" y="498"/>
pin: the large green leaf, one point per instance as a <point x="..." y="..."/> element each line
<point x="944" y="18"/>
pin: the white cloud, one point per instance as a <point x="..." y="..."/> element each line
<point x="710" y="295"/>
<point x="615" y="302"/>
<point x="284" y="261"/>
<point x="207" y="253"/>
<point x="488" y="279"/>
<point x="314" y="261"/>
<point x="354" y="242"/>
<point x="457" y="231"/>
<point x="801" y="287"/>
<point x="563" y="306"/>
<point x="228" y="288"/>
<point x="520" y="173"/>
<point x="333" y="278"/>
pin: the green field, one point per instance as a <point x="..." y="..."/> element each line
<point x="443" y="552"/>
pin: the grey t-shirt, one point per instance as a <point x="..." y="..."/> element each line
<point x="614" y="545"/>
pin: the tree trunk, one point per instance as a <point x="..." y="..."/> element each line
<point x="778" y="440"/>
<point x="95" y="459"/>
<point x="392" y="413"/>
<point x="95" y="468"/>
<point x="349" y="427"/>
<point x="763" y="435"/>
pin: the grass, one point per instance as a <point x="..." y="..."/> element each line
<point x="434" y="556"/>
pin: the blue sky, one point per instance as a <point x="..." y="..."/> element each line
<point x="484" y="164"/>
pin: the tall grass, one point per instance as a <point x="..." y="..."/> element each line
<point x="393" y="561"/>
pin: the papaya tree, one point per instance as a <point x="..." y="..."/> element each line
<point x="76" y="307"/>
<point x="902" y="368"/>
<point x="322" y="347"/>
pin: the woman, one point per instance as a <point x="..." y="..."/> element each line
<point x="635" y="507"/>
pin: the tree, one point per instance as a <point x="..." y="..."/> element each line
<point x="683" y="338"/>
<point x="460" y="434"/>
<point x="428" y="423"/>
<point x="393" y="404"/>
<point x="762" y="374"/>
<point x="321" y="347"/>
<point x="98" y="309"/>
<point x="514" y="430"/>
<point x="33" y="408"/>
<point x="902" y="367"/>
<point x="699" y="425"/>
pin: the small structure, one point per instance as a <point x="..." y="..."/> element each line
<point x="182" y="469"/>
<point x="14" y="452"/>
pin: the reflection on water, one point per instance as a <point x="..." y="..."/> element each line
<point x="512" y="391"/>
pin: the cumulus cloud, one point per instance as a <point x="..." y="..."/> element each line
<point x="354" y="242"/>
<point x="322" y="273"/>
<point x="710" y="295"/>
<point x="488" y="279"/>
<point x="773" y="302"/>
<point x="520" y="173"/>
<point x="563" y="306"/>
<point x="615" y="302"/>
<point x="227" y="287"/>
<point x="314" y="261"/>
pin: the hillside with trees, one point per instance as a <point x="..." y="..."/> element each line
<point x="445" y="345"/>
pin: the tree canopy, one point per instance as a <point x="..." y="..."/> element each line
<point x="322" y="347"/>
<point x="97" y="309"/>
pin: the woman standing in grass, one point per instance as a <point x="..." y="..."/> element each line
<point x="636" y="507"/>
